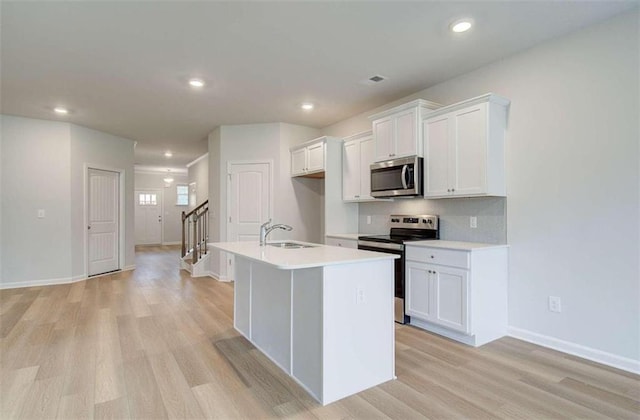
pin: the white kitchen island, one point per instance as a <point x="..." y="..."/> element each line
<point x="323" y="314"/>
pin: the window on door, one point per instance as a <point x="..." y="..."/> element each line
<point x="182" y="192"/>
<point x="147" y="199"/>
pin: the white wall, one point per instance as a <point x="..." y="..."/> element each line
<point x="294" y="202"/>
<point x="43" y="164"/>
<point x="171" y="212"/>
<point x="573" y="185"/>
<point x="198" y="172"/>
<point x="35" y="175"/>
<point x="102" y="151"/>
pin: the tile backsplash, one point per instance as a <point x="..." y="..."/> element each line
<point x="454" y="213"/>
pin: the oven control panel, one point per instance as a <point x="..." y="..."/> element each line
<point x="423" y="221"/>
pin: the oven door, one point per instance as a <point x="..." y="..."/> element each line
<point x="399" y="316"/>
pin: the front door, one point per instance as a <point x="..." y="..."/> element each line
<point x="103" y="221"/>
<point x="148" y="217"/>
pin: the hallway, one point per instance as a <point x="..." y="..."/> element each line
<point x="155" y="343"/>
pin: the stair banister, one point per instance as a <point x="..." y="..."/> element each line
<point x="195" y="238"/>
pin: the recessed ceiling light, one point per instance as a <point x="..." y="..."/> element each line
<point x="461" y="25"/>
<point x="307" y="106"/>
<point x="197" y="83"/>
<point x="168" y="154"/>
<point x="60" y="110"/>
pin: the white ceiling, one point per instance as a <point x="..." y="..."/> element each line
<point x="122" y="67"/>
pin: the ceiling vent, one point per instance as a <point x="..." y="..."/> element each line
<point x="374" y="80"/>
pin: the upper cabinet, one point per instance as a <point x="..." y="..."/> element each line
<point x="308" y="159"/>
<point x="464" y="149"/>
<point x="397" y="132"/>
<point x="357" y="156"/>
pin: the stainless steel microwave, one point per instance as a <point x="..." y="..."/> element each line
<point x="397" y="178"/>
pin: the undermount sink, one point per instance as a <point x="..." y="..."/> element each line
<point x="289" y="245"/>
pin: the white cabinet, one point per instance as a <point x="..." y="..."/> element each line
<point x="342" y="242"/>
<point x="464" y="149"/>
<point x="438" y="294"/>
<point x="308" y="159"/>
<point x="316" y="167"/>
<point x="459" y="293"/>
<point x="397" y="132"/>
<point x="356" y="159"/>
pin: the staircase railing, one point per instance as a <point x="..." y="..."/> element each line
<point x="195" y="232"/>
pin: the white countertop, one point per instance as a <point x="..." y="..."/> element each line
<point x="291" y="259"/>
<point x="351" y="236"/>
<point x="462" y="246"/>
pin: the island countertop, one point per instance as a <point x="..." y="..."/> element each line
<point x="291" y="259"/>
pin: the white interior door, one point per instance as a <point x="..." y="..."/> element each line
<point x="148" y="217"/>
<point x="103" y="221"/>
<point x="249" y="200"/>
<point x="249" y="203"/>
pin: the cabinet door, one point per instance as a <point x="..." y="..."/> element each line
<point x="366" y="159"/>
<point x="298" y="161"/>
<point x="436" y="152"/>
<point x="469" y="140"/>
<point x="406" y="133"/>
<point x="351" y="171"/>
<point x="383" y="137"/>
<point x="450" y="289"/>
<point x="418" y="291"/>
<point x="315" y="157"/>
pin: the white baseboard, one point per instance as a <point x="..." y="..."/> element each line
<point x="219" y="277"/>
<point x="53" y="282"/>
<point x="37" y="283"/>
<point x="595" y="355"/>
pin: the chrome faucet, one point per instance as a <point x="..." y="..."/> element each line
<point x="265" y="230"/>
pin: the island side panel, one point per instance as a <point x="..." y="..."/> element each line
<point x="306" y="334"/>
<point x="358" y="328"/>
<point x="242" y="296"/>
<point x="271" y="313"/>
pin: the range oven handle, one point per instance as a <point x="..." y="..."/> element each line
<point x="381" y="245"/>
<point x="404" y="176"/>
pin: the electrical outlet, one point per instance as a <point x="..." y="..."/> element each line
<point x="41" y="214"/>
<point x="473" y="222"/>
<point x="368" y="220"/>
<point x="360" y="297"/>
<point x="555" y="304"/>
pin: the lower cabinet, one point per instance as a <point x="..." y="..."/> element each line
<point x="458" y="293"/>
<point x="438" y="294"/>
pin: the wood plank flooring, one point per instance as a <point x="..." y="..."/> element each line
<point x="155" y="343"/>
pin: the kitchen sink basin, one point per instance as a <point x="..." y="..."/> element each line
<point x="290" y="245"/>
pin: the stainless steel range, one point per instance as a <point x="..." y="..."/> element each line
<point x="404" y="229"/>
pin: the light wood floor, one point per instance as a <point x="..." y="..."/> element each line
<point x="154" y="343"/>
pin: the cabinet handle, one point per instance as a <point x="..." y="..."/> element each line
<point x="432" y="256"/>
<point x="453" y="189"/>
<point x="448" y="190"/>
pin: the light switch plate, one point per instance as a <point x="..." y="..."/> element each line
<point x="40" y="213"/>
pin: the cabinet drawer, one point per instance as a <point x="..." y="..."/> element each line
<point x="438" y="256"/>
<point x="345" y="243"/>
